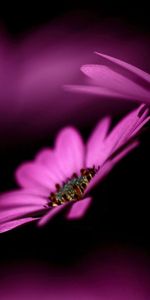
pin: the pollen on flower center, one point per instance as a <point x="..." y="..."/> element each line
<point x="74" y="188"/>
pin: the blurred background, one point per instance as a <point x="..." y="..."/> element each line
<point x="42" y="48"/>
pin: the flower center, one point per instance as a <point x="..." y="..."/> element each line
<point x="74" y="188"/>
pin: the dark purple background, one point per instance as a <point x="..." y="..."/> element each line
<point x="119" y="216"/>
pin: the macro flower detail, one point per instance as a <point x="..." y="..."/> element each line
<point x="127" y="82"/>
<point x="74" y="188"/>
<point x="59" y="179"/>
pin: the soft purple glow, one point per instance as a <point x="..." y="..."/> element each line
<point x="109" y="275"/>
<point x="104" y="81"/>
<point x="56" y="165"/>
<point x="34" y="68"/>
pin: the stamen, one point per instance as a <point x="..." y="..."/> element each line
<point x="74" y="188"/>
<point x="57" y="186"/>
<point x="74" y="175"/>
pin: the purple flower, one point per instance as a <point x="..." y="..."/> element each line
<point x="129" y="82"/>
<point x="60" y="178"/>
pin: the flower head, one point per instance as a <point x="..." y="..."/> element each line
<point x="129" y="82"/>
<point x="62" y="177"/>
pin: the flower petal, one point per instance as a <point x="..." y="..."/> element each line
<point x="109" y="79"/>
<point x="13" y="224"/>
<point x="125" y="151"/>
<point x="69" y="151"/>
<point x="107" y="167"/>
<point x="52" y="213"/>
<point x="47" y="158"/>
<point x="127" y="66"/>
<point x="96" y="90"/>
<point x="136" y="130"/>
<point x="96" y="141"/>
<point x="123" y="130"/>
<point x="79" y="208"/>
<point x="9" y="214"/>
<point x="21" y="198"/>
<point x="119" y="136"/>
<point x="34" y="175"/>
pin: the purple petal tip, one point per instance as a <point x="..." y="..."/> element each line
<point x="142" y="110"/>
